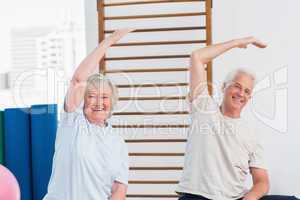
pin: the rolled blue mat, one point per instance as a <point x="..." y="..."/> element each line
<point x="43" y="132"/>
<point x="17" y="148"/>
<point x="1" y="137"/>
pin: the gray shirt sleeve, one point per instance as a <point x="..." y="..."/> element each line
<point x="203" y="104"/>
<point x="257" y="159"/>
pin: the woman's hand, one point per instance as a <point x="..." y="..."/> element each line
<point x="118" y="191"/>
<point x="244" y="42"/>
<point x="117" y="35"/>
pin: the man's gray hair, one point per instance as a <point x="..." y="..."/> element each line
<point x="99" y="80"/>
<point x="232" y="75"/>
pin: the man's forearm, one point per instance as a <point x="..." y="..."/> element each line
<point x="258" y="190"/>
<point x="207" y="54"/>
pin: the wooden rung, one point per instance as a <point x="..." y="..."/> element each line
<point x="148" y="2"/>
<point x="153" y="182"/>
<point x="188" y="28"/>
<point x="155" y="16"/>
<point x="152" y="195"/>
<point x="152" y="113"/>
<point x="155" y="140"/>
<point x="160" y="43"/>
<point x="147" y="70"/>
<point x="152" y="126"/>
<point x="152" y="98"/>
<point x="156" y="154"/>
<point x="153" y="85"/>
<point x="147" y="57"/>
<point x="155" y="168"/>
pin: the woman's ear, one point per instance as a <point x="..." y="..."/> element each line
<point x="223" y="87"/>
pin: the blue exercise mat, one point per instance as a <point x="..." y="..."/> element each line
<point x="17" y="148"/>
<point x="1" y="137"/>
<point x="43" y="132"/>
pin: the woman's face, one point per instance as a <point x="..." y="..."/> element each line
<point x="97" y="103"/>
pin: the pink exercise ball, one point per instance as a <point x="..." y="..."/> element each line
<point x="9" y="187"/>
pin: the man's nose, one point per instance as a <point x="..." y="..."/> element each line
<point x="241" y="93"/>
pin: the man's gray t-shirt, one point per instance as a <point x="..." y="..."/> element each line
<point x="219" y="152"/>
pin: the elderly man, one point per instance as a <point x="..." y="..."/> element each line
<point x="221" y="147"/>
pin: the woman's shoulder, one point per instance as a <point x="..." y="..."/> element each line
<point x="116" y="137"/>
<point x="71" y="118"/>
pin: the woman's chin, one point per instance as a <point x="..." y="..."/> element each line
<point x="98" y="119"/>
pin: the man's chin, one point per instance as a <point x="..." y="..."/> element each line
<point x="236" y="107"/>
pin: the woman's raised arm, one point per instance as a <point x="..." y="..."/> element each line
<point x="87" y="67"/>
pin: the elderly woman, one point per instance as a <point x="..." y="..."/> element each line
<point x="91" y="159"/>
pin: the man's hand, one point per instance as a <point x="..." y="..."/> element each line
<point x="249" y="197"/>
<point x="260" y="184"/>
<point x="244" y="42"/>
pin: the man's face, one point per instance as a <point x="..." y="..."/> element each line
<point x="238" y="92"/>
<point x="97" y="103"/>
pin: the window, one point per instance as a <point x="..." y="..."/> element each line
<point x="38" y="36"/>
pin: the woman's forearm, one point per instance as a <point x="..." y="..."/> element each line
<point x="87" y="67"/>
<point x="91" y="62"/>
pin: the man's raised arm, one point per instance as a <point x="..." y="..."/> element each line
<point x="201" y="57"/>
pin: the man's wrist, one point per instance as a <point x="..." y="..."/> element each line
<point x="251" y="196"/>
<point x="235" y="43"/>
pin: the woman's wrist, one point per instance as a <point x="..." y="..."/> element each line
<point x="105" y="44"/>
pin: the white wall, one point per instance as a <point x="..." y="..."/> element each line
<point x="275" y="22"/>
<point x="271" y="21"/>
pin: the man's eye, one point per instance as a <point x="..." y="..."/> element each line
<point x="237" y="86"/>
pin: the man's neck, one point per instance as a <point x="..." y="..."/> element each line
<point x="230" y="113"/>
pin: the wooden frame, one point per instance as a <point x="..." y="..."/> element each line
<point x="101" y="5"/>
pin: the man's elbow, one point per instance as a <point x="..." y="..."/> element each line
<point x="267" y="186"/>
<point x="197" y="60"/>
<point x="196" y="56"/>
